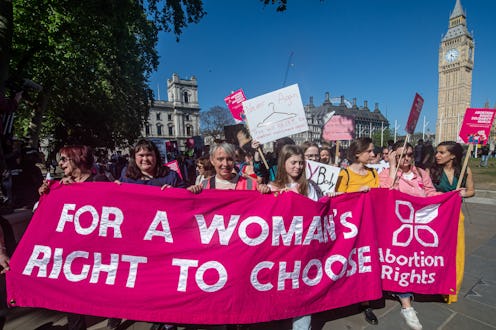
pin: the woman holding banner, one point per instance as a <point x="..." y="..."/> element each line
<point x="357" y="177"/>
<point x="290" y="176"/>
<point x="145" y="168"/>
<point x="445" y="175"/>
<point x="413" y="181"/>
<point x="77" y="163"/>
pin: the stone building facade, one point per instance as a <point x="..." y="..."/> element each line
<point x="178" y="118"/>
<point x="367" y="121"/>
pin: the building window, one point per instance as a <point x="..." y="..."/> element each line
<point x="147" y="130"/>
<point x="158" y="116"/>
<point x="187" y="117"/>
<point x="159" y="129"/>
<point x="186" y="97"/>
<point x="171" y="130"/>
<point x="188" y="130"/>
<point x="169" y="117"/>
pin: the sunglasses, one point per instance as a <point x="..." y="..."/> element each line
<point x="64" y="159"/>
<point x="409" y="154"/>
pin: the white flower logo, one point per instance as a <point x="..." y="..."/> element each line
<point x="416" y="223"/>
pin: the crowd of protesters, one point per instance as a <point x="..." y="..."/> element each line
<point x="419" y="171"/>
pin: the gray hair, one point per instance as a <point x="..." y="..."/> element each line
<point x="228" y="148"/>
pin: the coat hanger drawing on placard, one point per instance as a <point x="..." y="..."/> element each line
<point x="275" y="116"/>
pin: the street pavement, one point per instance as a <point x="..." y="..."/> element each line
<point x="475" y="309"/>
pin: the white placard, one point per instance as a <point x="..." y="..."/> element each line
<point x="276" y="114"/>
<point x="325" y="176"/>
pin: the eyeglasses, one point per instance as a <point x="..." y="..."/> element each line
<point x="64" y="159"/>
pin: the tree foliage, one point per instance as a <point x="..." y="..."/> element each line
<point x="377" y="137"/>
<point x="93" y="59"/>
<point x="214" y="120"/>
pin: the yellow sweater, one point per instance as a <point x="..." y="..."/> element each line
<point x="349" y="181"/>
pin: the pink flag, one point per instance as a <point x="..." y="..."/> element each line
<point x="413" y="117"/>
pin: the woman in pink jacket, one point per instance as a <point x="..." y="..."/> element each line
<point x="404" y="176"/>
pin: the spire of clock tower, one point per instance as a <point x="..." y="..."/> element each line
<point x="457" y="23"/>
<point x="458" y="10"/>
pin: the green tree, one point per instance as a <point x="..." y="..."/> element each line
<point x="94" y="79"/>
<point x="377" y="137"/>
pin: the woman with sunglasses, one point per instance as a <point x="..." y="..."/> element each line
<point x="413" y="181"/>
<point x="77" y="163"/>
<point x="409" y="179"/>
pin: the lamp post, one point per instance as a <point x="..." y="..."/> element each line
<point x="423" y="128"/>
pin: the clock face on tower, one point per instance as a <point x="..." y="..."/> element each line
<point x="451" y="55"/>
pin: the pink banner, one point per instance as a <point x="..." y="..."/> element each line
<point x="476" y="126"/>
<point x="417" y="241"/>
<point x="140" y="253"/>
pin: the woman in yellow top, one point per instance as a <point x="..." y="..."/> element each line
<point x="358" y="177"/>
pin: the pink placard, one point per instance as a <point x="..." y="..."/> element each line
<point x="234" y="102"/>
<point x="476" y="126"/>
<point x="339" y="128"/>
<point x="224" y="257"/>
<point x="417" y="104"/>
<point x="174" y="165"/>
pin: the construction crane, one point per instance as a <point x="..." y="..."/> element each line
<point x="287" y="69"/>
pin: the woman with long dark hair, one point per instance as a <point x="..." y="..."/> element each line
<point x="145" y="167"/>
<point x="445" y="175"/>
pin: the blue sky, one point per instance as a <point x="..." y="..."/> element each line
<point x="382" y="51"/>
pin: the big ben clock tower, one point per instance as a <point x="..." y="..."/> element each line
<point x="456" y="61"/>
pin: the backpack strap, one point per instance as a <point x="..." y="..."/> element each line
<point x="249" y="184"/>
<point x="208" y="182"/>
<point x="347" y="176"/>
